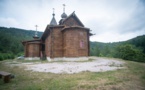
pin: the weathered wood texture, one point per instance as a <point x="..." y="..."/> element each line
<point x="32" y="50"/>
<point x="48" y="44"/>
<point x="6" y="76"/>
<point x="72" y="22"/>
<point x="75" y="43"/>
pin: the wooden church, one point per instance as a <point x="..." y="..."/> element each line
<point x="68" y="40"/>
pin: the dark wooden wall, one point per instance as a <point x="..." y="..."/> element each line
<point x="32" y="50"/>
<point x="75" y="43"/>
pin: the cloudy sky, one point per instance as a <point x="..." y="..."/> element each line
<point x="109" y="20"/>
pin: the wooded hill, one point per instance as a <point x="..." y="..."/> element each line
<point x="10" y="41"/>
<point x="11" y="46"/>
<point x="133" y="49"/>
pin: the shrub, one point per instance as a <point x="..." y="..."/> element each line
<point x="4" y="56"/>
<point x="1" y="57"/>
<point x="130" y="52"/>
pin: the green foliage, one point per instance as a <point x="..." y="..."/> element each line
<point x="102" y="49"/>
<point x="1" y="57"/>
<point x="10" y="41"/>
<point x="138" y="42"/>
<point x="133" y="49"/>
<point x="4" y="56"/>
<point x="129" y="52"/>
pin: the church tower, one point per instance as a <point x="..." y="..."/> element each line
<point x="53" y="21"/>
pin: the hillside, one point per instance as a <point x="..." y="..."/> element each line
<point x="133" y="49"/>
<point x="138" y="42"/>
<point x="11" y="38"/>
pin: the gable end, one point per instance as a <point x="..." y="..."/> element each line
<point x="72" y="20"/>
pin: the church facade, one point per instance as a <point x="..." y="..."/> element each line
<point x="68" y="40"/>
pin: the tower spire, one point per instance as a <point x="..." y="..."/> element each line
<point x="53" y="21"/>
<point x="63" y="8"/>
<point x="53" y="12"/>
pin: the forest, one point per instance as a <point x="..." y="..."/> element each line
<point x="133" y="49"/>
<point x="10" y="41"/>
<point x="11" y="46"/>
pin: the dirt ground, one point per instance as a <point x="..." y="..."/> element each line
<point x="94" y="65"/>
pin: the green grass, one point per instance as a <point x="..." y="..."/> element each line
<point x="131" y="78"/>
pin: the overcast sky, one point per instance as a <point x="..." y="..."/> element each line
<point x="109" y="20"/>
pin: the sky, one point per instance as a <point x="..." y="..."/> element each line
<point x="108" y="20"/>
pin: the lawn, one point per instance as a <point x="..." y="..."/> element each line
<point x="130" y="78"/>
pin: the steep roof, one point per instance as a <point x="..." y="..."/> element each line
<point x="47" y="30"/>
<point x="53" y="24"/>
<point x="75" y="17"/>
<point x="53" y="21"/>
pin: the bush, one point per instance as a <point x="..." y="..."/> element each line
<point x="4" y="56"/>
<point x="1" y="57"/>
<point x="130" y="52"/>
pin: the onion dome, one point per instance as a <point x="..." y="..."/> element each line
<point x="63" y="16"/>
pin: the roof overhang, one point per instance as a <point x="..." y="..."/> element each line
<point x="32" y="41"/>
<point x="47" y="30"/>
<point x="75" y="27"/>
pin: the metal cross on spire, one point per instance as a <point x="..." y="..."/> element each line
<point x="36" y="30"/>
<point x="53" y="12"/>
<point x="64" y="8"/>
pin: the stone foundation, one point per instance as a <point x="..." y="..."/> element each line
<point x="48" y="58"/>
<point x="68" y="59"/>
<point x="32" y="58"/>
<point x="60" y="58"/>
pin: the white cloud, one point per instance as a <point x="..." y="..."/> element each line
<point x="117" y="19"/>
<point x="9" y="22"/>
<point x="114" y="36"/>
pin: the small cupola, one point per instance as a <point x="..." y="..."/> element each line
<point x="35" y="35"/>
<point x="63" y="16"/>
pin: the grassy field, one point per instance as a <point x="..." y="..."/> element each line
<point x="130" y="78"/>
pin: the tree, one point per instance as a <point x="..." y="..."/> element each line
<point x="129" y="52"/>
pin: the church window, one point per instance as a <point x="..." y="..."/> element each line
<point x="81" y="44"/>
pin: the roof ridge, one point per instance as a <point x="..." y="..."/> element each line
<point x="73" y="14"/>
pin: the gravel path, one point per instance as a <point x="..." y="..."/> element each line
<point x="97" y="65"/>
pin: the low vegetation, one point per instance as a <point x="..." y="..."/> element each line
<point x="130" y="78"/>
<point x="133" y="49"/>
